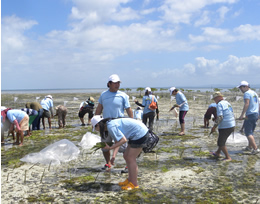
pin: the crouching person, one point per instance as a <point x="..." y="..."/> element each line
<point x="123" y="130"/>
<point x="21" y="121"/>
<point x="61" y="112"/>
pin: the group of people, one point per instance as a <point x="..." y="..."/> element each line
<point x="109" y="119"/>
<point x="31" y="115"/>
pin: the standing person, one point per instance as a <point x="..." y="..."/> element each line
<point x="112" y="103"/>
<point x="251" y="113"/>
<point x="21" y="120"/>
<point x="225" y="122"/>
<point x="47" y="105"/>
<point x="183" y="106"/>
<point x="123" y="130"/>
<point x="32" y="115"/>
<point x="61" y="112"/>
<point x="148" y="114"/>
<point x="212" y="110"/>
<point x="37" y="121"/>
<point x="86" y="107"/>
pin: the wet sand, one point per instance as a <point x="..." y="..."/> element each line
<point x="181" y="170"/>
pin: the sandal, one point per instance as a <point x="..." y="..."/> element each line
<point x="129" y="186"/>
<point x="123" y="183"/>
<point x="181" y="134"/>
<point x="215" y="155"/>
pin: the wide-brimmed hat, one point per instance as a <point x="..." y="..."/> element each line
<point x="243" y="83"/>
<point x="114" y="78"/>
<point x="171" y="90"/>
<point x="95" y="120"/>
<point x="216" y="94"/>
<point x="49" y="96"/>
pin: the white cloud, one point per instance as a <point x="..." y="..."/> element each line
<point x="204" y="19"/>
<point x="176" y="11"/>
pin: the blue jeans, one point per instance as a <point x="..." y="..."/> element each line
<point x="250" y="123"/>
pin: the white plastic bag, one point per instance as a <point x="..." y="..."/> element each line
<point x="61" y="151"/>
<point x="89" y="140"/>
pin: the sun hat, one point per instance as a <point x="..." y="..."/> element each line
<point x="48" y="96"/>
<point x="216" y="94"/>
<point x="243" y="83"/>
<point x="171" y="90"/>
<point x="148" y="89"/>
<point x="114" y="78"/>
<point x="95" y="120"/>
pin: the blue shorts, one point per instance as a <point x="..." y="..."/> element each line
<point x="250" y="123"/>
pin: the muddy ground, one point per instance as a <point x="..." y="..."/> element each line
<point x="180" y="170"/>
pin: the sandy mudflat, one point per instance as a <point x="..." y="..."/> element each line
<point x="180" y="171"/>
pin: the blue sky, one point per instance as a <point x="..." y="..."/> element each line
<point x="80" y="43"/>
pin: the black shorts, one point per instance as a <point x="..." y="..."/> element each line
<point x="223" y="135"/>
<point x="86" y="110"/>
<point x="140" y="143"/>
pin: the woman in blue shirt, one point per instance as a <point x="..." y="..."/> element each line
<point x="148" y="114"/>
<point x="225" y="122"/>
<point x="123" y="130"/>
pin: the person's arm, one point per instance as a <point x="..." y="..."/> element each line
<point x="139" y="104"/>
<point x="99" y="109"/>
<point x="112" y="160"/>
<point x="17" y="125"/>
<point x="130" y="112"/>
<point x="117" y="144"/>
<point x="157" y="112"/>
<point x="216" y="123"/>
<point x="246" y="105"/>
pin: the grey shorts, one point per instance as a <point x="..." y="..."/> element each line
<point x="46" y="113"/>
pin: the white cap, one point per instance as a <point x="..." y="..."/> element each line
<point x="95" y="120"/>
<point x="148" y="89"/>
<point x="114" y="78"/>
<point x="243" y="83"/>
<point x="49" y="96"/>
<point x="171" y="90"/>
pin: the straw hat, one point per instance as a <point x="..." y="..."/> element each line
<point x="216" y="94"/>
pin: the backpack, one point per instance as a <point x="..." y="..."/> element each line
<point x="152" y="105"/>
<point x="152" y="141"/>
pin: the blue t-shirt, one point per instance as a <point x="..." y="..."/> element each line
<point x="46" y="103"/>
<point x="130" y="128"/>
<point x="253" y="103"/>
<point x="14" y="114"/>
<point x="114" y="103"/>
<point x="225" y="109"/>
<point x="180" y="98"/>
<point x="147" y="100"/>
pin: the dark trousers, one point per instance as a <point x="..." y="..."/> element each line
<point x="150" y="116"/>
<point x="37" y="121"/>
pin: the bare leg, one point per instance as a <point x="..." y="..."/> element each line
<point x="82" y="120"/>
<point x="49" y="121"/>
<point x="182" y="129"/>
<point x="43" y="123"/>
<point x="130" y="156"/>
<point x="251" y="141"/>
<point x="107" y="157"/>
<point x="21" y="144"/>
